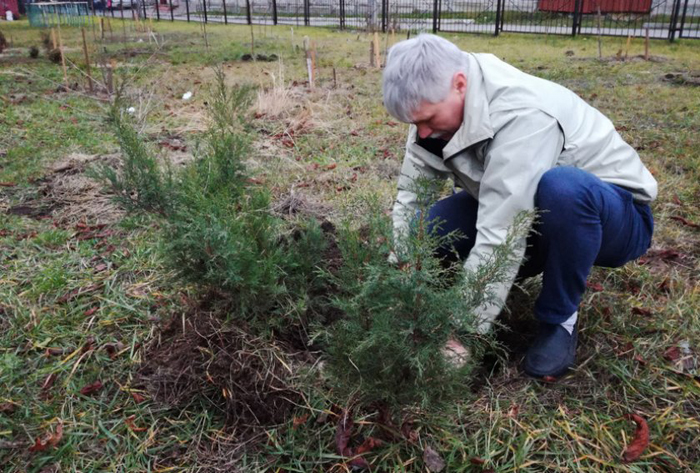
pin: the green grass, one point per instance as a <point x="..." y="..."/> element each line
<point x="507" y="420"/>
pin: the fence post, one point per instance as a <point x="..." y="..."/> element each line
<point x="307" y="12"/>
<point x="204" y="3"/>
<point x="143" y="4"/>
<point x="384" y="16"/>
<point x="576" y="17"/>
<point x="685" y="12"/>
<point x="673" y="25"/>
<point x="156" y="4"/>
<point x="342" y="14"/>
<point x="499" y="6"/>
<point x="274" y="12"/>
<point x="248" y="16"/>
<point x="187" y="9"/>
<point x="172" y="15"/>
<point x="225" y="15"/>
<point x="435" y="16"/>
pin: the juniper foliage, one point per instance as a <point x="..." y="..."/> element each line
<point x="388" y="348"/>
<point x="144" y="182"/>
<point x="222" y="233"/>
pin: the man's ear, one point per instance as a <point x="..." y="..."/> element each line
<point x="459" y="83"/>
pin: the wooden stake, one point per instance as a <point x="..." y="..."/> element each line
<point x="627" y="46"/>
<point x="312" y="65"/>
<point x="372" y="62"/>
<point x="63" y="58"/>
<point x="646" y="45"/>
<point x="53" y="39"/>
<point x="335" y="79"/>
<point x="252" y="42"/>
<point x="600" y="46"/>
<point x="386" y="46"/>
<point x="377" y="53"/>
<point x="102" y="28"/>
<point x="109" y="77"/>
<point x="87" y="60"/>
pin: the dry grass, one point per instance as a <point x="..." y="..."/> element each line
<point x="321" y="151"/>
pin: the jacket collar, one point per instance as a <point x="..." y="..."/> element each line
<point x="476" y="125"/>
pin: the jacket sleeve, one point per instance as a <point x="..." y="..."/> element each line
<point x="526" y="144"/>
<point x="406" y="203"/>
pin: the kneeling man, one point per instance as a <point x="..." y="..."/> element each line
<point x="513" y="142"/>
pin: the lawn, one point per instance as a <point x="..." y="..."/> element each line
<point x="103" y="351"/>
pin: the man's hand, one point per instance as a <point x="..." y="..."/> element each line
<point x="456" y="353"/>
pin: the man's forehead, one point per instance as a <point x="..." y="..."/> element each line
<point x="424" y="111"/>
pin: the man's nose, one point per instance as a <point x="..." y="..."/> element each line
<point x="424" y="131"/>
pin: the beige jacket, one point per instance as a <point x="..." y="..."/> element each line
<point x="516" y="127"/>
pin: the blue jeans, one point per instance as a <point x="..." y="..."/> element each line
<point x="583" y="222"/>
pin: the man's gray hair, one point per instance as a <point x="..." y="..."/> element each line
<point x="417" y="70"/>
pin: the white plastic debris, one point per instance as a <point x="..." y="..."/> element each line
<point x="131" y="110"/>
<point x="8" y="15"/>
<point x="187" y="95"/>
<point x="685" y="347"/>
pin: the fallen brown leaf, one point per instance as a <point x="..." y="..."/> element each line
<point x="641" y="311"/>
<point x="50" y="439"/>
<point x="409" y="433"/>
<point x="342" y="434"/>
<point x="48" y="382"/>
<point x="137" y="397"/>
<point x="91" y="388"/>
<point x="54" y="351"/>
<point x="672" y="353"/>
<point x="7" y="408"/>
<point x="113" y="349"/>
<point x="594" y="286"/>
<point x="640" y="441"/>
<point x="299" y="421"/>
<point x="342" y="440"/>
<point x="685" y="222"/>
<point x="129" y="421"/>
<point x="369" y="444"/>
<point x="513" y="411"/>
<point x="90" y="311"/>
<point x="477" y="461"/>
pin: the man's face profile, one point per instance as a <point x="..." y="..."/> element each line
<point x="442" y="119"/>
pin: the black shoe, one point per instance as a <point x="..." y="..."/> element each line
<point x="552" y="352"/>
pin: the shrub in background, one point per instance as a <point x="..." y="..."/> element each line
<point x="144" y="182"/>
<point x="222" y="232"/>
<point x="219" y="230"/>
<point x="54" y="56"/>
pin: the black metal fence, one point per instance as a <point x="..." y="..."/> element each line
<point x="667" y="19"/>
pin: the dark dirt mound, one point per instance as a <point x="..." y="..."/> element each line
<point x="249" y="379"/>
